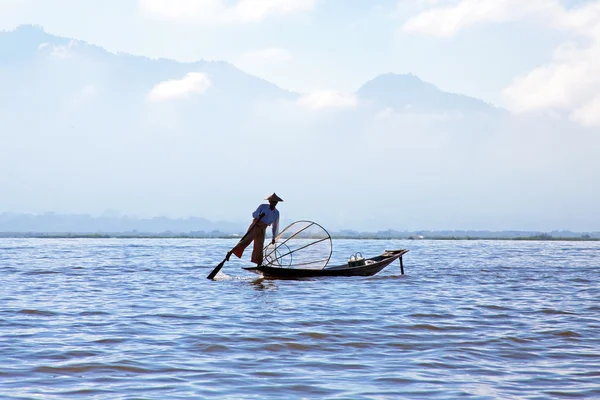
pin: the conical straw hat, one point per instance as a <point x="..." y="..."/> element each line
<point x="273" y="197"/>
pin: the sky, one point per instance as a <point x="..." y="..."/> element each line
<point x="539" y="58"/>
<point x="525" y="56"/>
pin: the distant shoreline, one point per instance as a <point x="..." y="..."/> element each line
<point x="338" y="237"/>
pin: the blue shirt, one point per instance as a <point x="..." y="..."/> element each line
<point x="271" y="217"/>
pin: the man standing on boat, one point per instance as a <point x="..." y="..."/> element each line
<point x="265" y="215"/>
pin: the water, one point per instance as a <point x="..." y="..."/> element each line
<point x="136" y="319"/>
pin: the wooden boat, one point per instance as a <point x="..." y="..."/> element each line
<point x="371" y="266"/>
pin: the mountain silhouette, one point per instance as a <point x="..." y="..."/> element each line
<point x="408" y="92"/>
<point x="84" y="130"/>
<point x="35" y="58"/>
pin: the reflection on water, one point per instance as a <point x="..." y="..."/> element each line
<point x="263" y="284"/>
<point x="124" y="319"/>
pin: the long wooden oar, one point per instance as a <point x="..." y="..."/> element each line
<point x="218" y="267"/>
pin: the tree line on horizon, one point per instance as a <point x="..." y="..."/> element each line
<point x="83" y="225"/>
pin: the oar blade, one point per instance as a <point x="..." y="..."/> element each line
<point x="216" y="270"/>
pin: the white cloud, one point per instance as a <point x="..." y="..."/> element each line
<point x="219" y="11"/>
<point x="192" y="83"/>
<point x="447" y="20"/>
<point x="568" y="83"/>
<point x="62" y="50"/>
<point x="326" y="99"/>
<point x="180" y="9"/>
<point x="584" y="20"/>
<point x="588" y="114"/>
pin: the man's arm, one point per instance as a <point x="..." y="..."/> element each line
<point x="275" y="228"/>
<point x="256" y="214"/>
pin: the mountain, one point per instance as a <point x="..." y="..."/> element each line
<point x="57" y="225"/>
<point x="83" y="130"/>
<point x="32" y="58"/>
<point x="408" y="92"/>
<point x="82" y="223"/>
<point x="30" y="44"/>
<point x="34" y="62"/>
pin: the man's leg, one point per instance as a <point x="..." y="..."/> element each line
<point x="239" y="248"/>
<point x="259" y="243"/>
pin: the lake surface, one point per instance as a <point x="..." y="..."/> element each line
<point x="136" y="319"/>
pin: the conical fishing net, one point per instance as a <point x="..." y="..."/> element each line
<point x="302" y="244"/>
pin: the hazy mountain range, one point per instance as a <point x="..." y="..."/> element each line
<point x="34" y="61"/>
<point x="85" y="130"/>
<point x="51" y="224"/>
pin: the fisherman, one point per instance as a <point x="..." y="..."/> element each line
<point x="265" y="215"/>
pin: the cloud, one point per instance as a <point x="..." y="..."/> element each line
<point x="326" y="99"/>
<point x="447" y="20"/>
<point x="190" y="84"/>
<point x="588" y="114"/>
<point x="219" y="11"/>
<point x="60" y="51"/>
<point x="568" y="83"/>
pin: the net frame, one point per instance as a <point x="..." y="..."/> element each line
<point x="273" y="254"/>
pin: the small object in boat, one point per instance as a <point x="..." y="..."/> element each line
<point x="356" y="260"/>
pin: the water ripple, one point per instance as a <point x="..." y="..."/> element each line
<point x="136" y="318"/>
